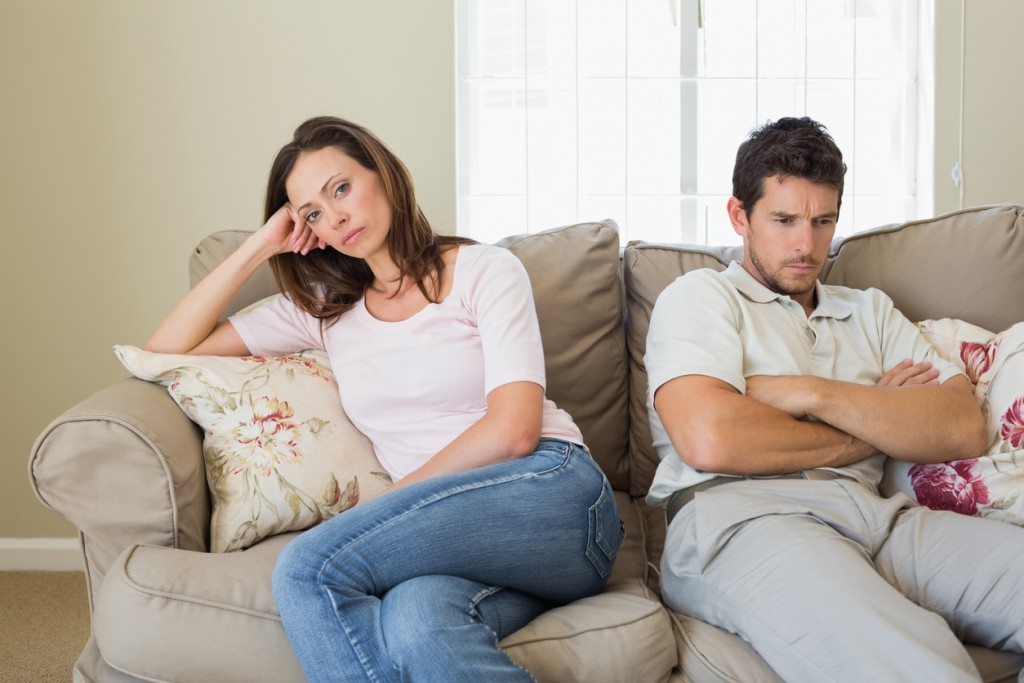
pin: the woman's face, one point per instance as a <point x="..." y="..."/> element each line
<point x="343" y="203"/>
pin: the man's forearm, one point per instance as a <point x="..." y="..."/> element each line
<point x="715" y="429"/>
<point x="789" y="445"/>
<point x="917" y="423"/>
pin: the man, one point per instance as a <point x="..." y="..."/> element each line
<point x="773" y="399"/>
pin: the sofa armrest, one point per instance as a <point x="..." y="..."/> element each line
<point x="125" y="466"/>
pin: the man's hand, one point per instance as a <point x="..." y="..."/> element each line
<point x="794" y="394"/>
<point x="908" y="372"/>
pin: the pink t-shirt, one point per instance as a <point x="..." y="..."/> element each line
<point x="413" y="386"/>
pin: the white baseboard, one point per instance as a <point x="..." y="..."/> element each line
<point x="40" y="554"/>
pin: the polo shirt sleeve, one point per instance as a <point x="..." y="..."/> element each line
<point x="694" y="330"/>
<point x="901" y="339"/>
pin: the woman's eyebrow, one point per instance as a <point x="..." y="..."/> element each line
<point x="322" y="189"/>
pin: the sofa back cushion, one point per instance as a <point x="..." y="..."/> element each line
<point x="216" y="247"/>
<point x="647" y="269"/>
<point x="574" y="272"/>
<point x="967" y="265"/>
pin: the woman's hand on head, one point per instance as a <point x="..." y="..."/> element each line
<point x="286" y="231"/>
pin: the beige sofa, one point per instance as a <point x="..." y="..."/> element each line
<point x="125" y="466"/>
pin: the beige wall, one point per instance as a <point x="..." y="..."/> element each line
<point x="993" y="69"/>
<point x="131" y="129"/>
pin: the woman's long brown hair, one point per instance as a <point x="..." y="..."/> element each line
<point x="326" y="283"/>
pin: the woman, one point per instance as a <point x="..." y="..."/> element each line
<point x="497" y="512"/>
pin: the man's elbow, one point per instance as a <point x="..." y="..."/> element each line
<point x="971" y="431"/>
<point x="705" y="452"/>
<point x="969" y="437"/>
<point x="974" y="437"/>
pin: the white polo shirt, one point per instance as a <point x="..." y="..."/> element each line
<point x="729" y="326"/>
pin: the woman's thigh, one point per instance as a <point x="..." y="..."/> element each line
<point x="545" y="524"/>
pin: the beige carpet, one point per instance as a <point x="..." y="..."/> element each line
<point x="44" y="624"/>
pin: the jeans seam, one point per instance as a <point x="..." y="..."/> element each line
<point x="472" y="611"/>
<point x="357" y="647"/>
<point x="596" y="540"/>
<point x="478" y="598"/>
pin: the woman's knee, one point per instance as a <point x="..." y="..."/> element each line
<point x="291" y="569"/>
<point x="302" y="565"/>
<point x="431" y="601"/>
<point x="421" y="606"/>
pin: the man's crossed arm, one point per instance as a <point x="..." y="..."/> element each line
<point x="784" y="424"/>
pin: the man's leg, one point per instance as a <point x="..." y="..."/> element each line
<point x="968" y="569"/>
<point x="809" y="600"/>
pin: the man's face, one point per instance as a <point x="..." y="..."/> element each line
<point x="787" y="236"/>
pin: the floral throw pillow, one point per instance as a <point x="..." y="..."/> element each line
<point x="991" y="485"/>
<point x="280" y="453"/>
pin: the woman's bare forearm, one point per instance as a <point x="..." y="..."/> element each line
<point x="192" y="325"/>
<point x="510" y="429"/>
<point x="195" y="317"/>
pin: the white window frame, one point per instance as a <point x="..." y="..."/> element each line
<point x="521" y="205"/>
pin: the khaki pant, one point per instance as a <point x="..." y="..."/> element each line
<point x="828" y="581"/>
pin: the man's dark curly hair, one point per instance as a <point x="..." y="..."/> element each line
<point x="798" y="147"/>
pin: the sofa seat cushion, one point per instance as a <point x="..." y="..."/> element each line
<point x="622" y="634"/>
<point x="170" y="614"/>
<point x="178" y="615"/>
<point x="708" y="654"/>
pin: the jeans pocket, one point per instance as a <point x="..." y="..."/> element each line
<point x="606" y="532"/>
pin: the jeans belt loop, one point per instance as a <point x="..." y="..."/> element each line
<point x="680" y="498"/>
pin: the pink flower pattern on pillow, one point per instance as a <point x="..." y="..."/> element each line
<point x="952" y="486"/>
<point x="1012" y="424"/>
<point x="977" y="359"/>
<point x="991" y="485"/>
<point x="266" y="433"/>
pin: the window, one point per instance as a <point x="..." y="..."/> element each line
<point x="575" y="110"/>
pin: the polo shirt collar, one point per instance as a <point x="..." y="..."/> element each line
<point x="828" y="306"/>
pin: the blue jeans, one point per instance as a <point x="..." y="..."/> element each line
<point x="421" y="583"/>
